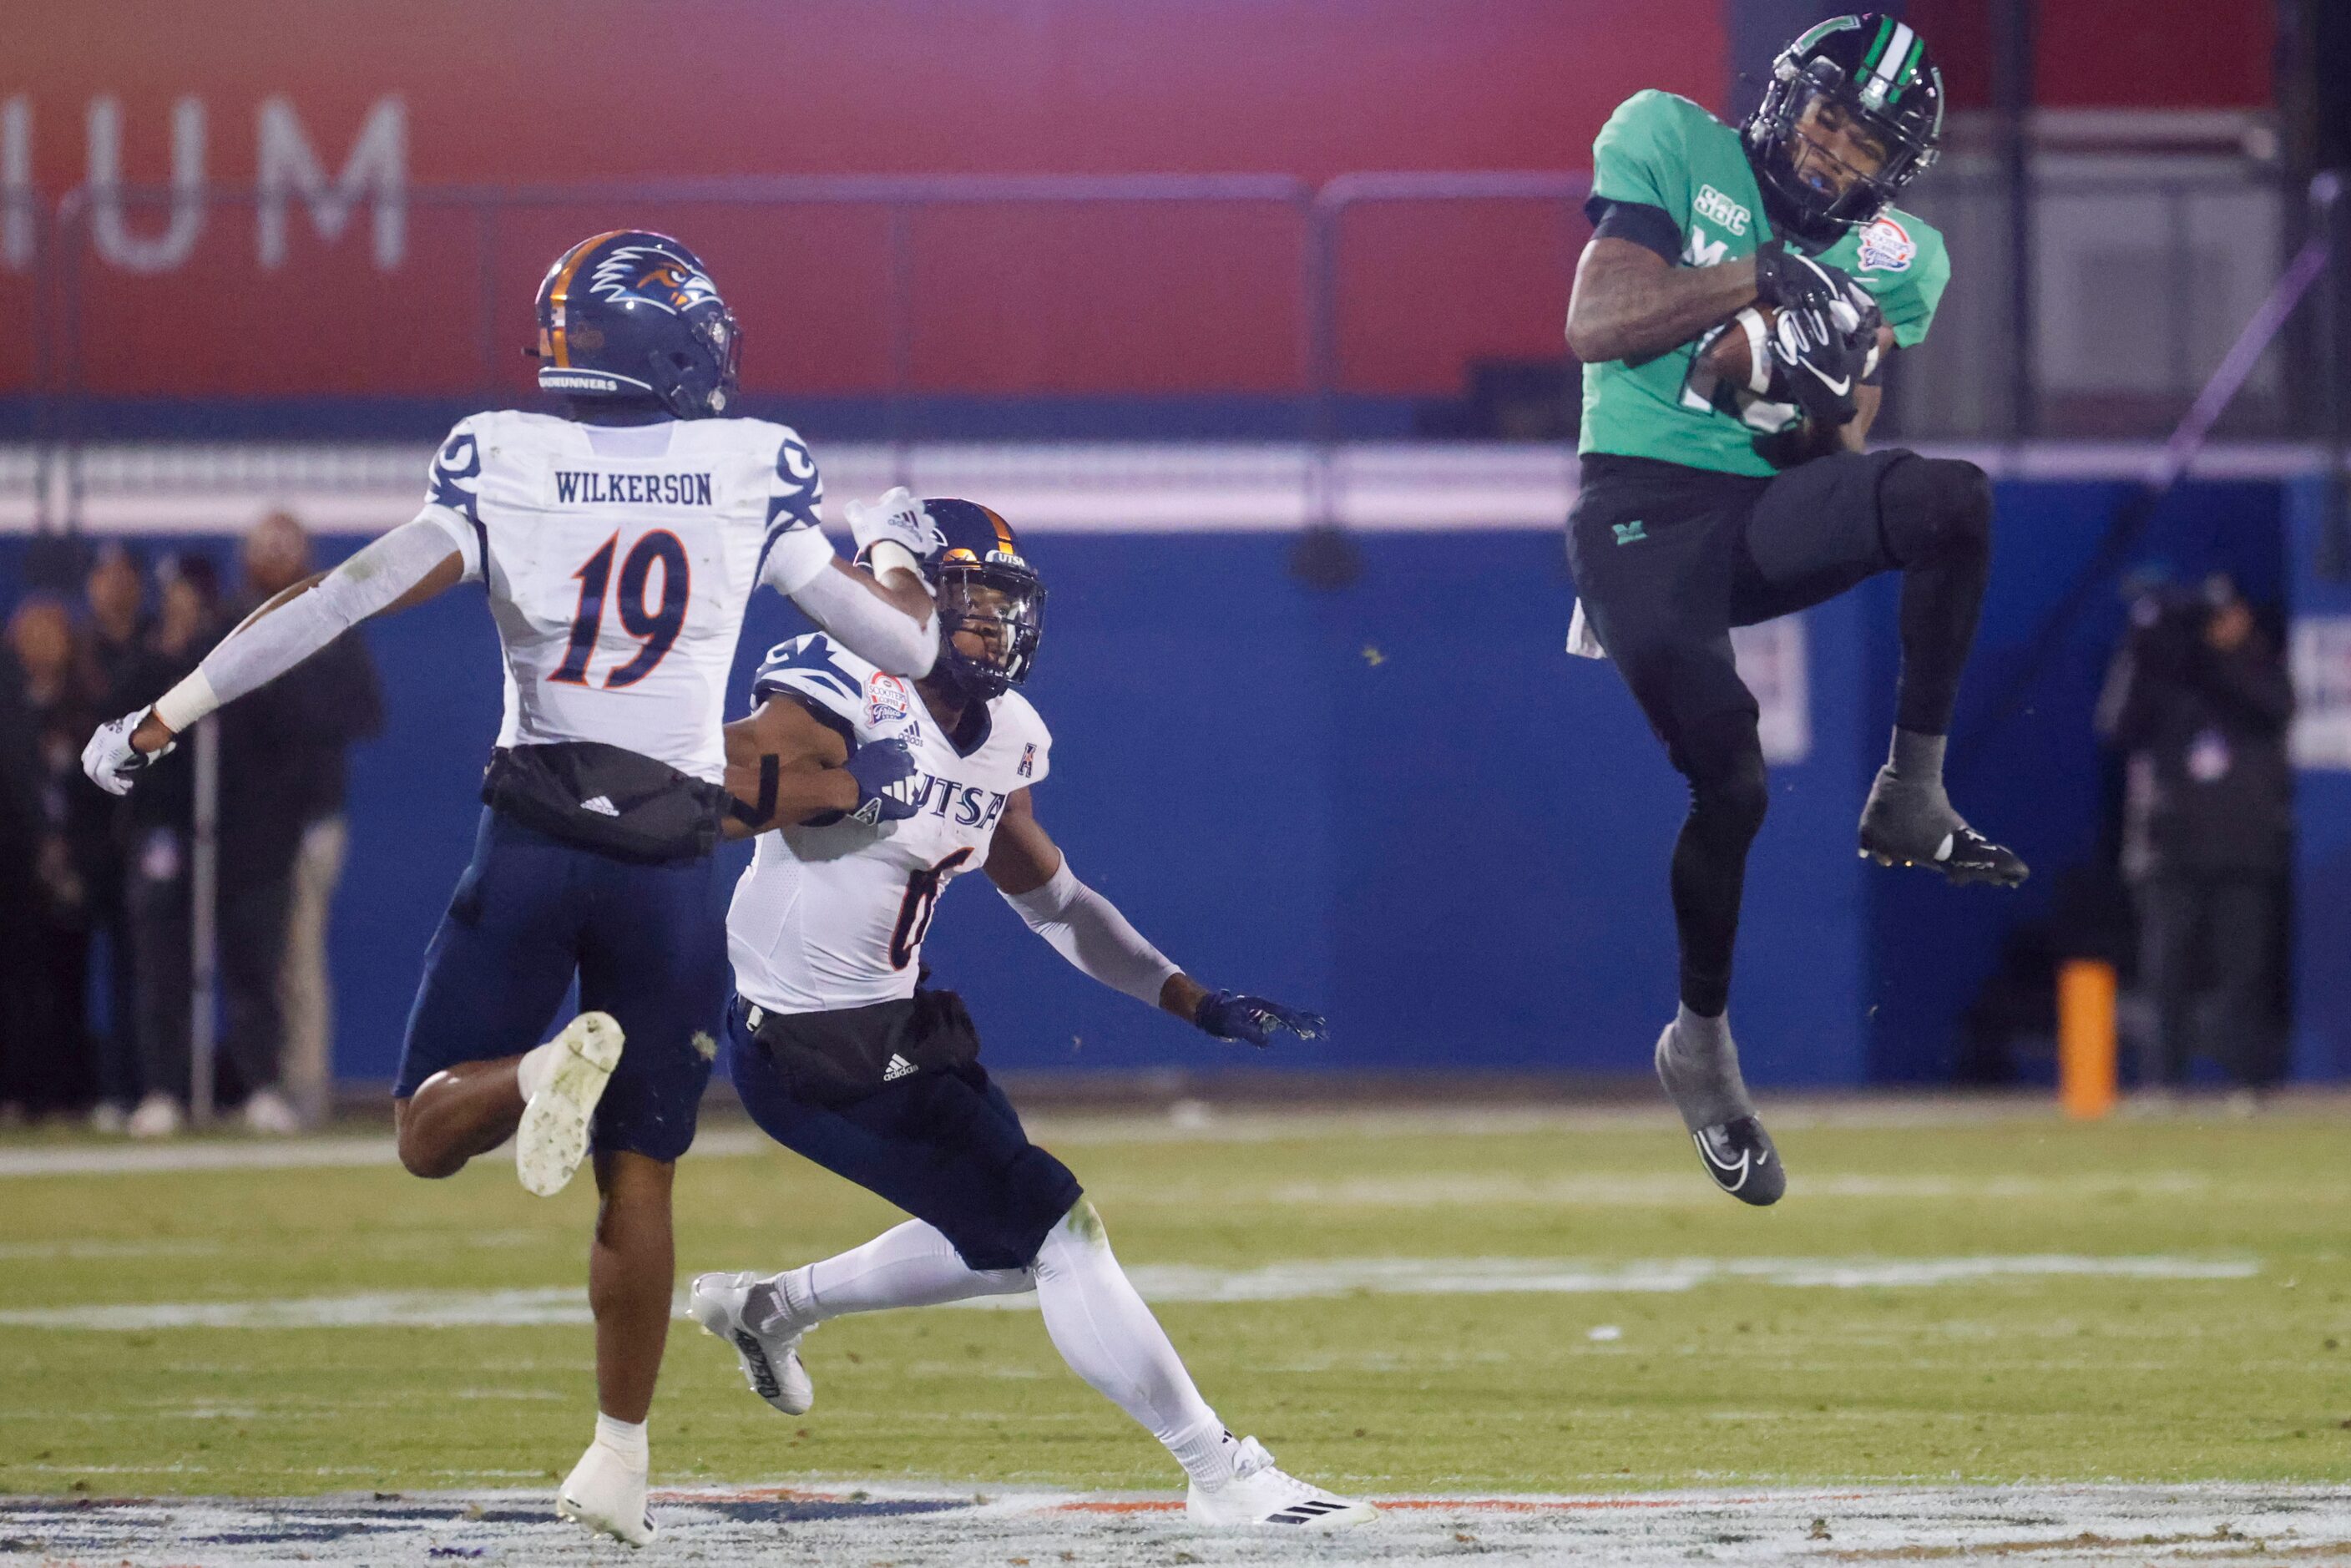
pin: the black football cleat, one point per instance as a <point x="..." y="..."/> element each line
<point x="1740" y="1157"/>
<point x="1914" y="825"/>
<point x="1963" y="856"/>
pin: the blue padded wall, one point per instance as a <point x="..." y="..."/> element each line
<point x="1401" y="803"/>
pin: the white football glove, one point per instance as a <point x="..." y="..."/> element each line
<point x="113" y="763"/>
<point x="897" y="522"/>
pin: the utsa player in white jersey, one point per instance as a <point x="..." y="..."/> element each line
<point x="619" y="542"/>
<point x="843" y="1054"/>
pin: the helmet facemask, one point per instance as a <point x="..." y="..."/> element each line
<point x="686" y="392"/>
<point x="1002" y="611"/>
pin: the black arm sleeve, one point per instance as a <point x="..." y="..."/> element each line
<point x="1651" y="229"/>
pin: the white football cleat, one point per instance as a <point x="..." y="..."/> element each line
<point x="158" y="1116"/>
<point x="553" y="1137"/>
<point x="607" y="1493"/>
<point x="1259" y="1496"/>
<point x="770" y="1363"/>
<point x="267" y="1114"/>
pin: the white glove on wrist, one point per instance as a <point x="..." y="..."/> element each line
<point x="110" y="760"/>
<point x="898" y="520"/>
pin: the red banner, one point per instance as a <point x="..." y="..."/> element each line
<point x="336" y="268"/>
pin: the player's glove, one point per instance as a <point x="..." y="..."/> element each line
<point x="1787" y="279"/>
<point x="1820" y="360"/>
<point x="114" y="764"/>
<point x="884" y="772"/>
<point x="897" y="522"/>
<point x="1231" y="1015"/>
<point x="1867" y="320"/>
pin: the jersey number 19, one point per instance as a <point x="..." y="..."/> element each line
<point x="654" y="626"/>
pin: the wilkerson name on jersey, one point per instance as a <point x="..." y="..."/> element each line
<point x="619" y="561"/>
<point x="833" y="914"/>
<point x="1665" y="152"/>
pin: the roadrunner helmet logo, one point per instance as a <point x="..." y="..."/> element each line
<point x="662" y="278"/>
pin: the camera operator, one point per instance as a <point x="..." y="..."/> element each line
<point x="2199" y="701"/>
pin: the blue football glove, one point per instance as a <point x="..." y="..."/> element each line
<point x="884" y="772"/>
<point x="1233" y="1015"/>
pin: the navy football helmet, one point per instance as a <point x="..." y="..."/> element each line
<point x="1871" y="72"/>
<point x="987" y="588"/>
<point x="632" y="314"/>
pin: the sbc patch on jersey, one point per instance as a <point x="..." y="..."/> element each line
<point x="1887" y="246"/>
<point x="1716" y="208"/>
<point x="887" y="701"/>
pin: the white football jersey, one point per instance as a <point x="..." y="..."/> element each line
<point x="619" y="559"/>
<point x="834" y="917"/>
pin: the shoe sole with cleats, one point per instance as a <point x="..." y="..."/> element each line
<point x="553" y="1137"/>
<point x="1957" y="870"/>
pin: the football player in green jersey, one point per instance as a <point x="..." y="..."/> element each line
<point x="1709" y="501"/>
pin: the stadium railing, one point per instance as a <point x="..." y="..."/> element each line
<point x="1950" y="389"/>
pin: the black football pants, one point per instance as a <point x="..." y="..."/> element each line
<point x="1668" y="558"/>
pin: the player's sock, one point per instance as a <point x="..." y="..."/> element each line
<point x="1908" y="814"/>
<point x="909" y="1265"/>
<point x="1109" y="1337"/>
<point x="1908" y="818"/>
<point x="1916" y="758"/>
<point x="1699" y="1064"/>
<point x="626" y="1438"/>
<point x="537" y="1066"/>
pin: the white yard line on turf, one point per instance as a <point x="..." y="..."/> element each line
<point x="1449" y="1189"/>
<point x="1171" y="1283"/>
<point x="833" y="1523"/>
<point x="274" y="1154"/>
<point x="1192" y="1121"/>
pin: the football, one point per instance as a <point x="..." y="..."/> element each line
<point x="1737" y="354"/>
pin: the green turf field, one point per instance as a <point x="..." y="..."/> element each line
<point x="2224" y="1354"/>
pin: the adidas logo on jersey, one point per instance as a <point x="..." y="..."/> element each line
<point x="601" y="805"/>
<point x="899" y="1067"/>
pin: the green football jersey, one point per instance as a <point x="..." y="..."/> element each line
<point x="1667" y="152"/>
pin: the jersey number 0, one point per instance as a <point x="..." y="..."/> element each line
<point x="656" y="627"/>
<point x="922" y="900"/>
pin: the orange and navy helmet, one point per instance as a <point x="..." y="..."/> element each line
<point x="985" y="586"/>
<point x="632" y="314"/>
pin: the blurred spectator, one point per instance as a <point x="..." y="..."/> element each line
<point x="161" y="812"/>
<point x="21" y="831"/>
<point x="281" y="774"/>
<point x="2198" y="701"/>
<point x="337" y="701"/>
<point x="48" y="1066"/>
<point x="110" y="653"/>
